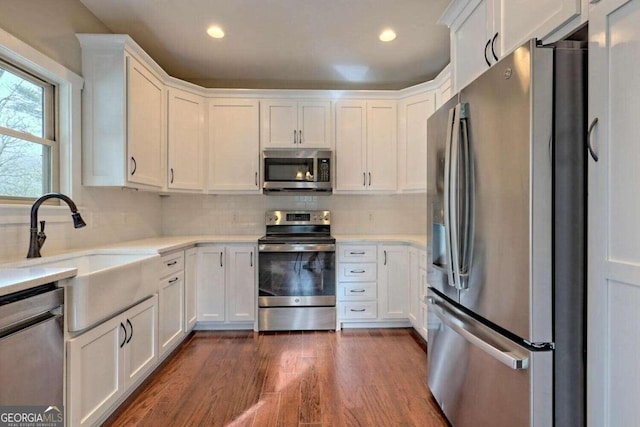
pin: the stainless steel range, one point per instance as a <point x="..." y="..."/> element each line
<point x="296" y="264"/>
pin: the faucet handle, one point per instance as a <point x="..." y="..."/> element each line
<point x="42" y="226"/>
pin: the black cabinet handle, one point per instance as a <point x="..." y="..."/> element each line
<point x="295" y="136"/>
<point x="135" y="165"/>
<point x="300" y="136"/>
<point x="364" y="179"/>
<point x="256" y="178"/>
<point x="220" y="258"/>
<point x="171" y="175"/>
<point x="131" y="327"/>
<point x="170" y="263"/>
<point x="174" y="280"/>
<point x="369" y="179"/>
<point x="592" y="152"/>
<point x="357" y="290"/>
<point x="124" y="341"/>
<point x="357" y="253"/>
<point x="486" y="46"/>
<point x="493" y="49"/>
<point x="360" y="310"/>
<point x="357" y="271"/>
<point x="251" y="262"/>
<point x="385" y="257"/>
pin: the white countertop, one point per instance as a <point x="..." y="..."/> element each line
<point x="18" y="279"/>
<point x="26" y="273"/>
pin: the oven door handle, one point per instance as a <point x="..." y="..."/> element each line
<point x="297" y="247"/>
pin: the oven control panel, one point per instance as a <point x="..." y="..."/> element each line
<point x="298" y="218"/>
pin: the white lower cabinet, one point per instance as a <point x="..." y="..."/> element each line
<point x="414" y="289"/>
<point x="373" y="283"/>
<point x="171" y="302"/>
<point x="104" y="362"/>
<point x="190" y="288"/>
<point x="392" y="282"/>
<point x="226" y="285"/>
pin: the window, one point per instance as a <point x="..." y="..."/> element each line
<point x="28" y="146"/>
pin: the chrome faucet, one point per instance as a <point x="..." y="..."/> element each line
<point x="37" y="238"/>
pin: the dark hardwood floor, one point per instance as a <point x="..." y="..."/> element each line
<point x="373" y="377"/>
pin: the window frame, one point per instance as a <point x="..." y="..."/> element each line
<point x="51" y="165"/>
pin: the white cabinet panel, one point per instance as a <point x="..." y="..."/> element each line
<point x="171" y="312"/>
<point x="357" y="253"/>
<point x="145" y="125"/>
<point x="234" y="146"/>
<point x="469" y="39"/>
<point x="296" y="124"/>
<point x="412" y="147"/>
<point x="366" y="146"/>
<point x="351" y="145"/>
<point x="190" y="288"/>
<point x="226" y="284"/>
<point x="392" y="282"/>
<point x="185" y="140"/>
<point x="141" y="346"/>
<point x="614" y="203"/>
<point x="211" y="284"/>
<point x="241" y="284"/>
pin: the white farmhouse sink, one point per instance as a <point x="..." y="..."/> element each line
<point x="105" y="285"/>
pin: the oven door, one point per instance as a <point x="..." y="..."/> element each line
<point x="293" y="275"/>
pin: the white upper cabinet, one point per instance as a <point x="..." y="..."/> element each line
<point x="124" y="116"/>
<point x="412" y="140"/>
<point x="366" y="146"/>
<point x="296" y="124"/>
<point x="483" y="31"/>
<point x="234" y="146"/>
<point x="185" y="140"/>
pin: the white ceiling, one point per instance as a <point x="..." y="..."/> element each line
<point x="286" y="44"/>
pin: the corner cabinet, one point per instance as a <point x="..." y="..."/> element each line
<point x="295" y="124"/>
<point x="366" y="146"/>
<point x="108" y="360"/>
<point x="124" y="116"/>
<point x="412" y="137"/>
<point x="234" y="146"/>
<point x="227" y="286"/>
<point x="185" y="141"/>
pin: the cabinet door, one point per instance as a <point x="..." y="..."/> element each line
<point x="392" y="282"/>
<point x="414" y="288"/>
<point x="351" y="148"/>
<point x="94" y="379"/>
<point x="211" y="284"/>
<point x="141" y="347"/>
<point x="241" y="283"/>
<point x="279" y="122"/>
<point x="190" y="288"/>
<point x="185" y="140"/>
<point x="469" y="37"/>
<point x="382" y="147"/>
<point x="613" y="335"/>
<point x="413" y="141"/>
<point x="234" y="145"/>
<point x="146" y="128"/>
<point x="171" y="313"/>
<point x="314" y="124"/>
<point x="520" y="20"/>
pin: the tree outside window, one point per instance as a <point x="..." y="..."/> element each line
<point x="27" y="143"/>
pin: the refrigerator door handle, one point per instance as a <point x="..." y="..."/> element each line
<point x="515" y="357"/>
<point x="453" y="198"/>
<point x="467" y="229"/>
<point x="451" y="126"/>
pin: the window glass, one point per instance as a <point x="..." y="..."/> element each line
<point x="28" y="150"/>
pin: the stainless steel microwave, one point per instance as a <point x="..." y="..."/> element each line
<point x="296" y="171"/>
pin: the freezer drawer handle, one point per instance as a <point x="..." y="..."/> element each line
<point x="504" y="357"/>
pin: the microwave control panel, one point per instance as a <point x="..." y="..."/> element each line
<point x="324" y="170"/>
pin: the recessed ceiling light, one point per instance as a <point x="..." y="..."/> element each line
<point x="215" y="32"/>
<point x="387" y="35"/>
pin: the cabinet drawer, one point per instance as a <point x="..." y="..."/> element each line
<point x="357" y="291"/>
<point x="358" y="310"/>
<point x="357" y="253"/>
<point x="172" y="263"/>
<point x="348" y="272"/>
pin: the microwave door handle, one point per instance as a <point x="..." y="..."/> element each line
<point x="447" y="194"/>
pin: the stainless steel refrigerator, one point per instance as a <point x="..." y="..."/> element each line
<point x="507" y="189"/>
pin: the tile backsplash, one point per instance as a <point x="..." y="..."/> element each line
<point x="351" y="214"/>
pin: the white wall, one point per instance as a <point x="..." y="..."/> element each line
<point x="220" y="214"/>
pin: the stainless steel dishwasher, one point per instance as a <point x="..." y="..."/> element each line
<point x="32" y="347"/>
